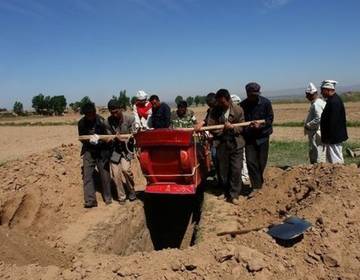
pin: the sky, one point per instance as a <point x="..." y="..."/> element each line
<point x="173" y="47"/>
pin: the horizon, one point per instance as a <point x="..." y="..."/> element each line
<point x="173" y="47"/>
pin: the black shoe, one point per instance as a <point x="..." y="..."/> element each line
<point x="90" y="204"/>
<point x="108" y="202"/>
<point x="122" y="201"/>
<point x="132" y="196"/>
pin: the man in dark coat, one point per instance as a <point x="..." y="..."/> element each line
<point x="333" y="123"/>
<point x="161" y="113"/>
<point x="95" y="153"/>
<point x="229" y="144"/>
<point x="257" y="107"/>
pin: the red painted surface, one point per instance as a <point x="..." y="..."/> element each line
<point x="169" y="161"/>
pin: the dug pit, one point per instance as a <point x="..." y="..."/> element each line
<point x="155" y="222"/>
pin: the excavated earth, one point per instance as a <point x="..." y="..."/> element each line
<point x="45" y="233"/>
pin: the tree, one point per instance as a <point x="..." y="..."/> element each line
<point x="178" y="99"/>
<point x="76" y="106"/>
<point x="133" y="100"/>
<point x="38" y="103"/>
<point x="123" y="99"/>
<point x="202" y="100"/>
<point x="197" y="100"/>
<point x="58" y="104"/>
<point x="18" y="108"/>
<point x="190" y="100"/>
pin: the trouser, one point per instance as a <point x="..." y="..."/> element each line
<point x="256" y="159"/>
<point x="316" y="149"/>
<point x="334" y="153"/>
<point x="245" y="173"/>
<point x="90" y="161"/>
<point x="122" y="177"/>
<point x="230" y="164"/>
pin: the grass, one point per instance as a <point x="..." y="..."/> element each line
<point x="289" y="153"/>
<point x="301" y="124"/>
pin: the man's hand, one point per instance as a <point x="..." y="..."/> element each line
<point x="228" y="126"/>
<point x="198" y="126"/>
<point x="119" y="137"/>
<point x="94" y="139"/>
<point x="255" y="124"/>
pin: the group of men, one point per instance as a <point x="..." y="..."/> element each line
<point x="112" y="156"/>
<point x="325" y="124"/>
<point x="239" y="154"/>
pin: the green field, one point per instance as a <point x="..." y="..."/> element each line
<point x="290" y="153"/>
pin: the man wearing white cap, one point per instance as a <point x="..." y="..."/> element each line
<point x="312" y="125"/>
<point x="142" y="110"/>
<point x="333" y="123"/>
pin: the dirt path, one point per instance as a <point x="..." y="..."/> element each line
<point x="17" y="142"/>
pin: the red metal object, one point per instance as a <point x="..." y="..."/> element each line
<point x="171" y="160"/>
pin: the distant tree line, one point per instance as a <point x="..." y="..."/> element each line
<point x="49" y="105"/>
<point x="56" y="105"/>
<point x="198" y="99"/>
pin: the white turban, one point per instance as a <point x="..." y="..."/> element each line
<point x="329" y="84"/>
<point x="141" y="95"/>
<point x="311" y="89"/>
<point x="235" y="99"/>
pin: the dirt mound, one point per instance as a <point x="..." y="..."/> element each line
<point x="46" y="233"/>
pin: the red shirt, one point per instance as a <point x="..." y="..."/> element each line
<point x="143" y="109"/>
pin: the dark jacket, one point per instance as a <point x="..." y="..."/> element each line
<point x="333" y="121"/>
<point x="160" y="117"/>
<point x="236" y="115"/>
<point x="262" y="110"/>
<point x="123" y="127"/>
<point x="98" y="126"/>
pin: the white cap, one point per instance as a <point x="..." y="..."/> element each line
<point x="141" y="95"/>
<point x="235" y="99"/>
<point x="311" y="89"/>
<point x="329" y="84"/>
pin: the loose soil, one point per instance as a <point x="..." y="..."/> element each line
<point x="45" y="233"/>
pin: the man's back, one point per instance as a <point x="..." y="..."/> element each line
<point x="160" y="117"/>
<point x="333" y="121"/>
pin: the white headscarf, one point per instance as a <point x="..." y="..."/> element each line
<point x="141" y="95"/>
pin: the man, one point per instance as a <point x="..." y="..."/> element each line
<point x="257" y="107"/>
<point x="182" y="117"/>
<point x="333" y="123"/>
<point x="312" y="125"/>
<point x="120" y="161"/>
<point x="244" y="174"/>
<point x="94" y="153"/>
<point x="211" y="102"/>
<point x="229" y="144"/>
<point x="142" y="110"/>
<point x="161" y="113"/>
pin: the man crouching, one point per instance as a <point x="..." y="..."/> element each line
<point x="120" y="160"/>
<point x="229" y="144"/>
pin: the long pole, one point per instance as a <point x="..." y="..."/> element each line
<point x="125" y="137"/>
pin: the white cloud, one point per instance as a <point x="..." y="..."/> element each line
<point x="270" y="4"/>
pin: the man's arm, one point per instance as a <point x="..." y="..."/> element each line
<point x="316" y="111"/>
